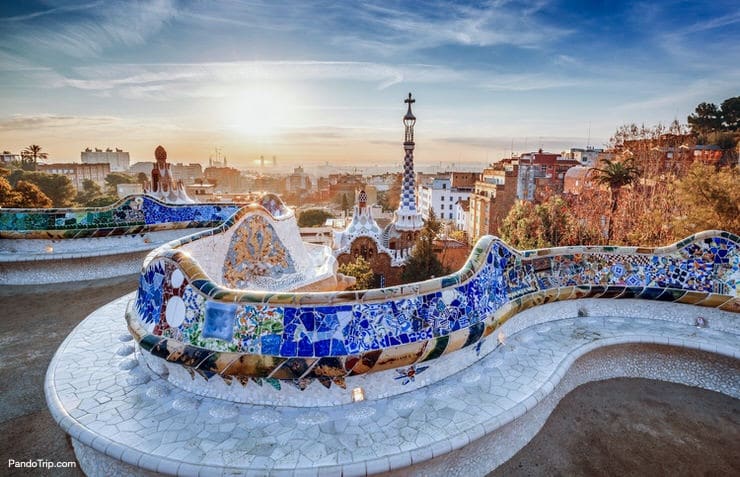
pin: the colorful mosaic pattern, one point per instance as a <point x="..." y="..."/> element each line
<point x="255" y="251"/>
<point x="328" y="336"/>
<point x="130" y="215"/>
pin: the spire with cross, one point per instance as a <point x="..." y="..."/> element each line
<point x="407" y="217"/>
<point x="409" y="121"/>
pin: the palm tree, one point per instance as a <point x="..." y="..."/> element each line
<point x="615" y="175"/>
<point x="31" y="154"/>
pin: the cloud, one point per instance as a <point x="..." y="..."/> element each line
<point x="391" y="29"/>
<point x="90" y="31"/>
<point x="529" y="82"/>
<point x="165" y="81"/>
<point x="50" y="11"/>
<point x="22" y="122"/>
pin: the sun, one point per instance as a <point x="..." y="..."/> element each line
<point x="258" y="112"/>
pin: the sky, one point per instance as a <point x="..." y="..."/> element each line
<point x="313" y="82"/>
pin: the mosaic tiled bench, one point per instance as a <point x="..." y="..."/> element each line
<point x="62" y="245"/>
<point x="126" y="420"/>
<point x="456" y="373"/>
<point x="131" y="215"/>
<point x="270" y="346"/>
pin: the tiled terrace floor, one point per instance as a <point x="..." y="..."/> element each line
<point x="106" y="400"/>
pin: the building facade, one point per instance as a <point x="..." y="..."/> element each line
<point x="443" y="192"/>
<point x="387" y="249"/>
<point x="118" y="159"/>
<point x="77" y="173"/>
<point x="227" y="179"/>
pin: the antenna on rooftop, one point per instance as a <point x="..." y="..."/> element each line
<point x="588" y="143"/>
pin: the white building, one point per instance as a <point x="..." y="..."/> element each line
<point x="587" y="157"/>
<point x="8" y="157"/>
<point x="119" y="159"/>
<point x="441" y="196"/>
<point x="462" y="214"/>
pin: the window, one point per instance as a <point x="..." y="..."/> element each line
<point x="443" y="198"/>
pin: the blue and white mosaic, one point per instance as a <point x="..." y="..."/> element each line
<point x="285" y="335"/>
<point x="132" y="214"/>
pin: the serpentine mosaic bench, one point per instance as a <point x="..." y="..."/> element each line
<point x="180" y="389"/>
<point x="131" y="215"/>
<point x="309" y="349"/>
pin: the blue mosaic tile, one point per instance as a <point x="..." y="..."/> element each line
<point x="219" y="320"/>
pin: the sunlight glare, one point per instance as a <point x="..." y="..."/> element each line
<point x="258" y="112"/>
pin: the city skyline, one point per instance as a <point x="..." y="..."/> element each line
<point x="318" y="82"/>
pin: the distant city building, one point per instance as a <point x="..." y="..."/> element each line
<point x="531" y="176"/>
<point x="141" y="168"/>
<point x="187" y="173"/>
<point x="577" y="180"/>
<point x="442" y="192"/>
<point x="118" y="159"/>
<point x="541" y="173"/>
<point x="462" y="214"/>
<point x="227" y="179"/>
<point x="7" y="158"/>
<point x="298" y="181"/>
<point x="491" y="200"/>
<point x="77" y="173"/>
<point x="586" y="157"/>
<point x="382" y="182"/>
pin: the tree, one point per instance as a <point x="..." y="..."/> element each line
<point x="360" y="269"/>
<point x="707" y="118"/>
<point x="345" y="204"/>
<point x="90" y="191"/>
<point x="313" y="218"/>
<point x="710" y="200"/>
<point x="30" y="157"/>
<point x="423" y="263"/>
<point x="522" y="227"/>
<point x="102" y="201"/>
<point x="8" y="196"/>
<point x="459" y="235"/>
<point x="56" y="186"/>
<point x="389" y="199"/>
<point x="142" y="178"/>
<point x="731" y="113"/>
<point x="114" y="178"/>
<point x="29" y="195"/>
<point x="615" y="175"/>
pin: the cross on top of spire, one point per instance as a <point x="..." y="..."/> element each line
<point x="409" y="119"/>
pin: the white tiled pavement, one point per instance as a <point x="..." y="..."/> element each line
<point x="123" y="418"/>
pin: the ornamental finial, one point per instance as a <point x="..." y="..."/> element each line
<point x="409" y="114"/>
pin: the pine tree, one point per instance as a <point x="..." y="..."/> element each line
<point x="423" y="263"/>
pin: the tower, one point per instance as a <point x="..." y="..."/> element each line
<point x="407" y="216"/>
